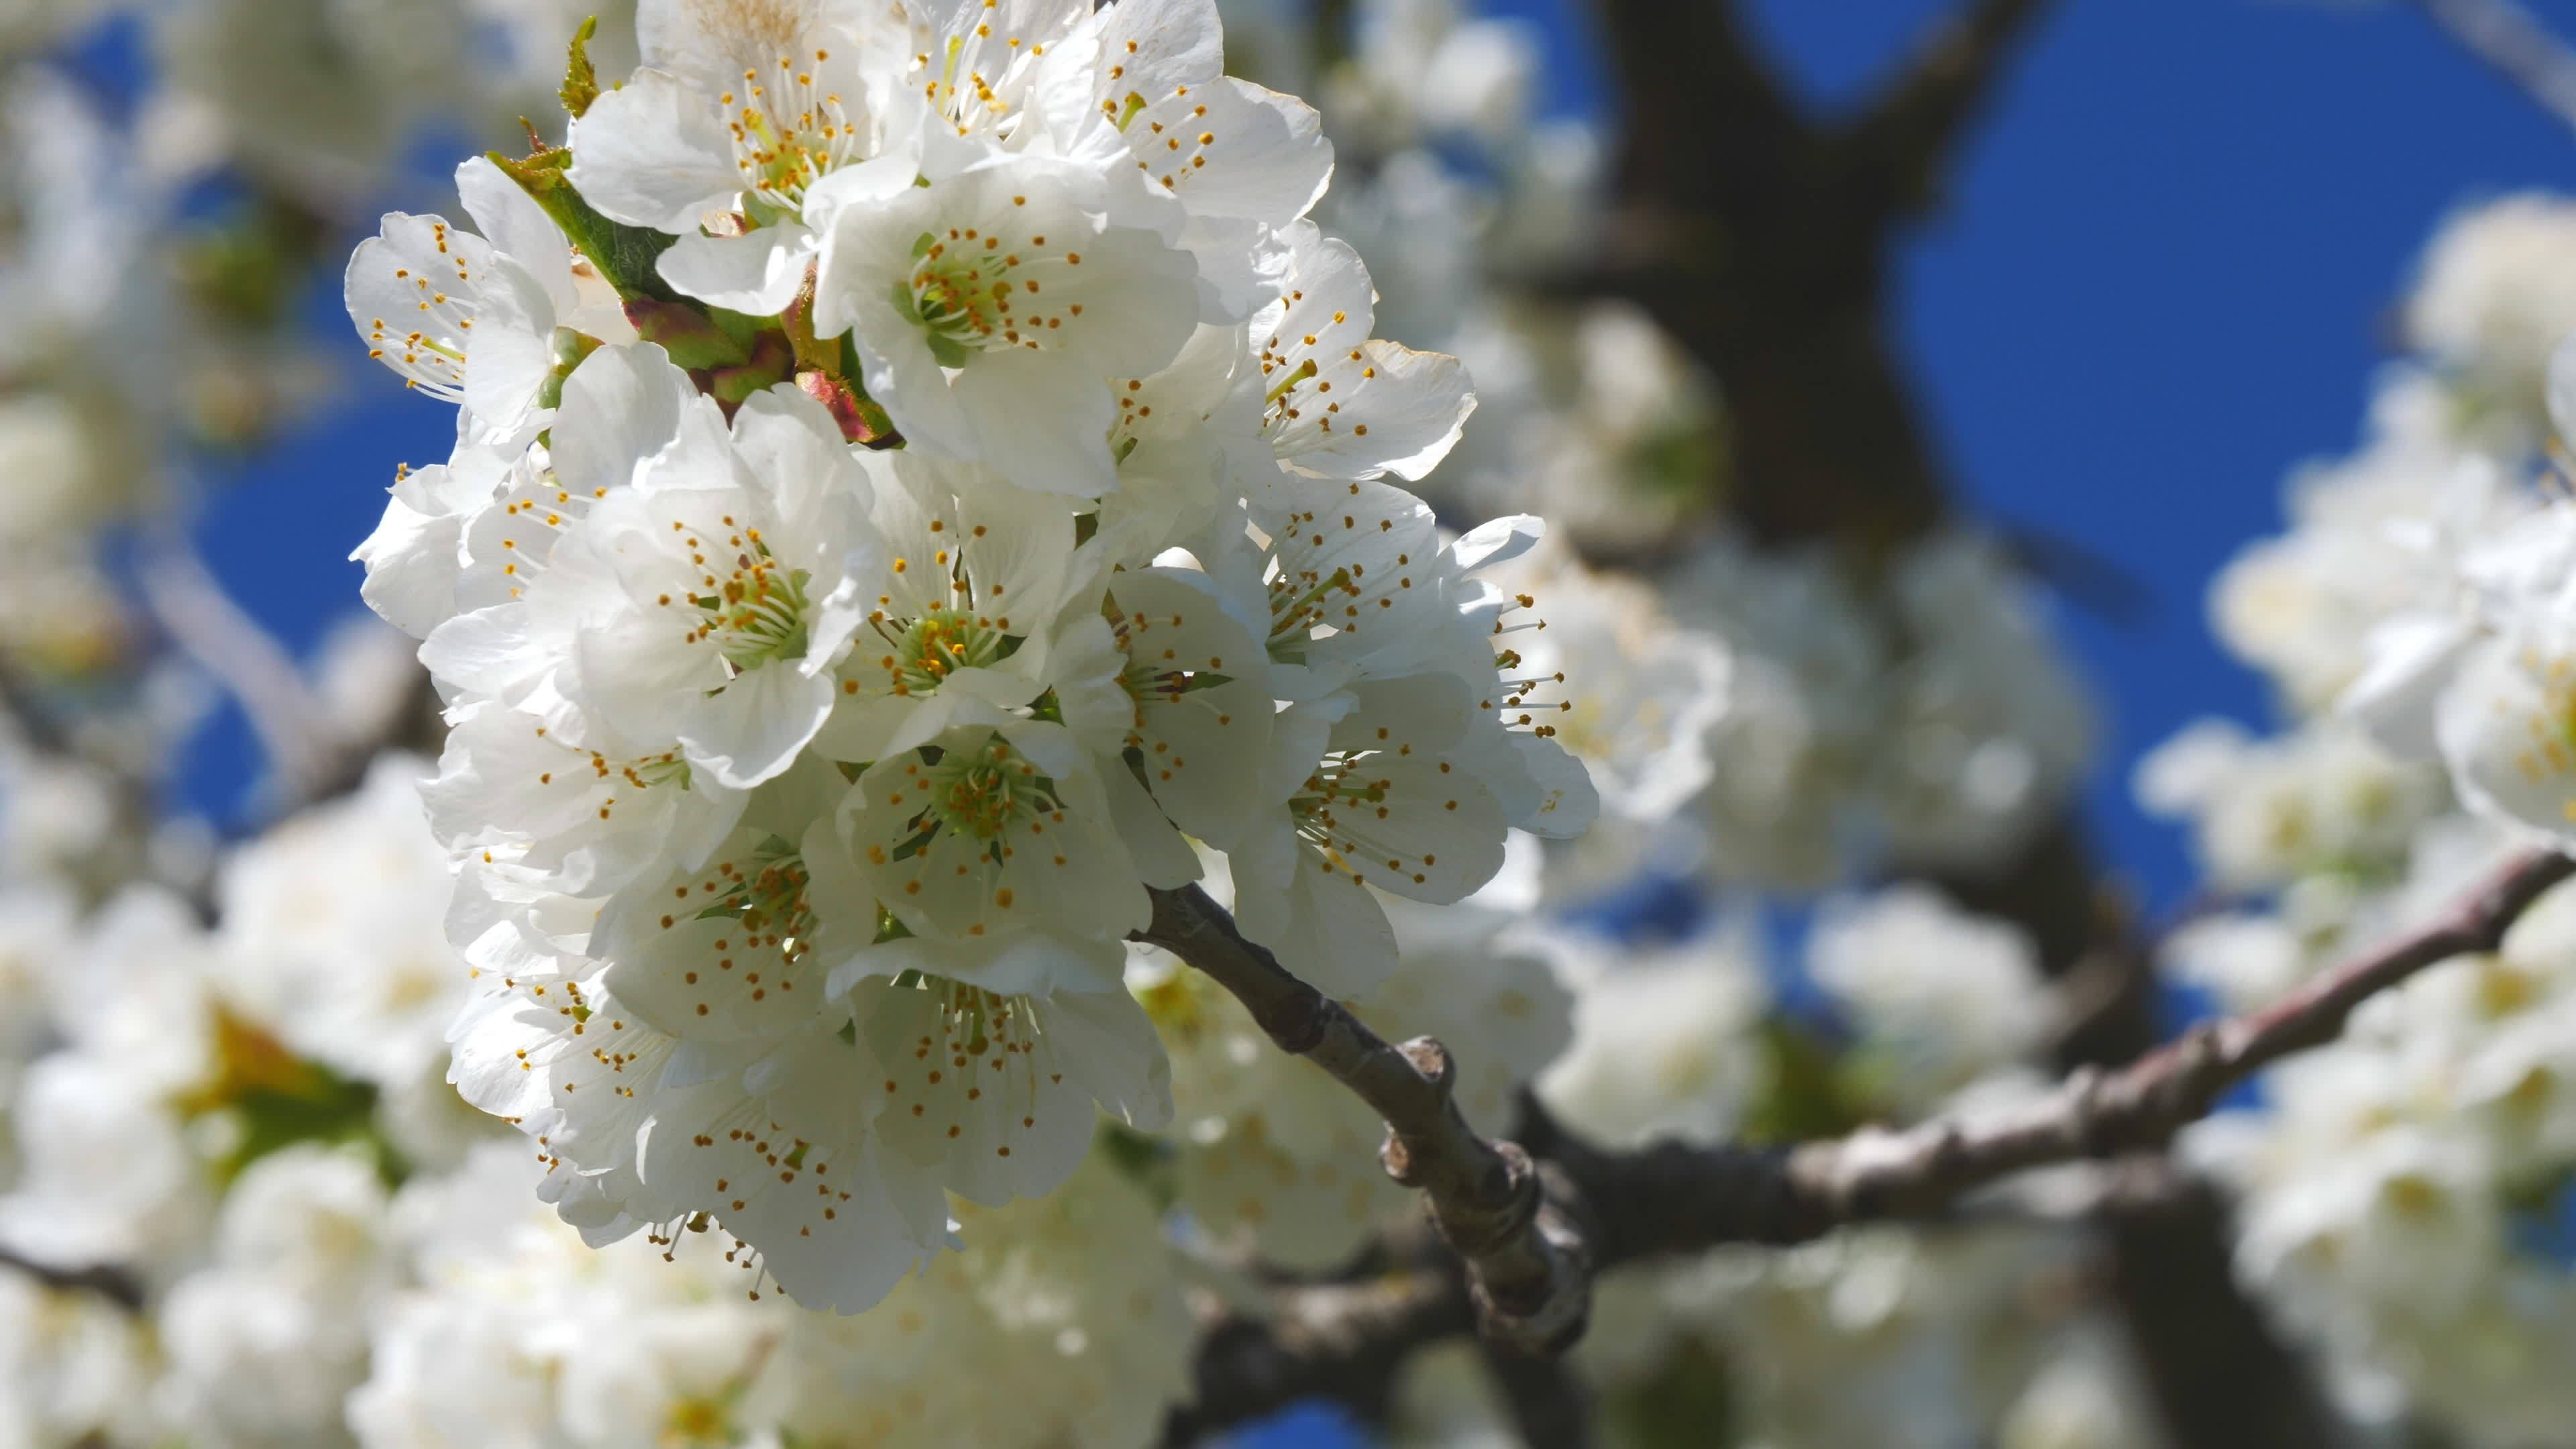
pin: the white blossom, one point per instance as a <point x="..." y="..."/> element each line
<point x="473" y="319"/>
<point x="1663" y="1042"/>
<point x="266" y="1341"/>
<point x="1939" y="997"/>
<point x="2493" y="300"/>
<point x="991" y="308"/>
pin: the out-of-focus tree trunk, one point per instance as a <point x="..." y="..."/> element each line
<point x="1761" y="237"/>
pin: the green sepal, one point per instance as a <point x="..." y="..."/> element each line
<point x="570" y="348"/>
<point x="861" y="420"/>
<point x="771" y="362"/>
<point x="626" y="256"/>
<point x="744" y="329"/>
<point x="814" y="353"/>
<point x="688" y="334"/>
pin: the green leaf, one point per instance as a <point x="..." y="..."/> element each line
<point x="277" y="1099"/>
<point x="1145" y="1160"/>
<point x="1689" y="1401"/>
<point x="1804" y="1093"/>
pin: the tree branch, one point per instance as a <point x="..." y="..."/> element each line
<point x="1899" y="145"/>
<point x="1528" y="1271"/>
<point x="1673" y="1198"/>
<point x="36" y="721"/>
<point x="212" y="629"/>
<point x="1678" y="1198"/>
<point x="1550" y="1403"/>
<point x="1338" y="1341"/>
<point x="107" y="1281"/>
<point x="311" y="758"/>
<point x="2516" y="45"/>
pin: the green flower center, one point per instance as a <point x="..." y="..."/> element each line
<point x="755" y="613"/>
<point x="984" y="792"/>
<point x="937" y="645"/>
<point x="766" y="894"/>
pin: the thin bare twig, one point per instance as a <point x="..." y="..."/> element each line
<point x="1674" y="1197"/>
<point x="1528" y="1271"/>
<point x="193" y="608"/>
<point x="2516" y="45"/>
<point x="36" y="722"/>
<point x="1342" y="1341"/>
<point x="111" y="1283"/>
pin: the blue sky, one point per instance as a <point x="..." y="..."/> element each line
<point x="2166" y="277"/>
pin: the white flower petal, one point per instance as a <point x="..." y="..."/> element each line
<point x="653" y="152"/>
<point x="757" y="273"/>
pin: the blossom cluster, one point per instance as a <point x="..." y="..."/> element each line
<point x="916" y="474"/>
<point x="2403" y="1197"/>
<point x="250" y="1125"/>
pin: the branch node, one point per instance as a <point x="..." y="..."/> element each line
<point x="1486" y="1201"/>
<point x="2084" y="1111"/>
<point x="1397" y="1159"/>
<point x="1431" y="1061"/>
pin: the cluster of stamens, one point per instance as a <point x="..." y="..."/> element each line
<point x="976" y="1022"/>
<point x="971" y="292"/>
<point x="1156" y="674"/>
<point x="1295" y="389"/>
<point x="984" y="792"/>
<point x="428" y="349"/>
<point x="666" y="768"/>
<point x="755" y="611"/>
<point x="1305" y="600"/>
<point x="1184" y="139"/>
<point x="1301" y="600"/>
<point x="787" y="135"/>
<point x="1518" y="707"/>
<point x="766" y="896"/>
<point x="938" y="644"/>
<point x="977" y="99"/>
<point x="1344" y="782"/>
<point x="922" y="652"/>
<point x="536" y="499"/>
<point x="986" y="1040"/>
<point x="2551" y="726"/>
